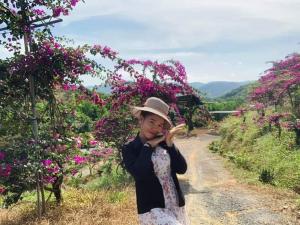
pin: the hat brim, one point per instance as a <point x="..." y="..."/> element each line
<point x="136" y="111"/>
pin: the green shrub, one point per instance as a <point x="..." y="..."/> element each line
<point x="266" y="176"/>
<point x="118" y="178"/>
<point x="214" y="146"/>
<point x="249" y="148"/>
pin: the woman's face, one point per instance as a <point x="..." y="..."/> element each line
<point x="151" y="126"/>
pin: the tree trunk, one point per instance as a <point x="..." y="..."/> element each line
<point x="40" y="189"/>
<point x="56" y="187"/>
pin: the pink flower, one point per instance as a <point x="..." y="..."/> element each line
<point x="66" y="87"/>
<point x="49" y="179"/>
<point x="61" y="148"/>
<point x="79" y="159"/>
<point x="259" y="106"/>
<point x="38" y="12"/>
<point x="2" y="190"/>
<point x="46" y="162"/>
<point x="53" y="170"/>
<point x="74" y="2"/>
<point x="74" y="172"/>
<point x="73" y="87"/>
<point x="56" y="135"/>
<point x="78" y="142"/>
<point x="5" y="171"/>
<point x="297" y="124"/>
<point x="88" y="68"/>
<point x="2" y="155"/>
<point x="106" y="152"/>
<point x="93" y="142"/>
<point x="57" y="11"/>
<point x="288" y="125"/>
<point x="65" y="12"/>
<point x="57" y="45"/>
<point x="97" y="153"/>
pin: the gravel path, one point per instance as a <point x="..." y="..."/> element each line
<point x="214" y="197"/>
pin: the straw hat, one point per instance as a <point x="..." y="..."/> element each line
<point x="156" y="106"/>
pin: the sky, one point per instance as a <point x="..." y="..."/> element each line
<point x="229" y="40"/>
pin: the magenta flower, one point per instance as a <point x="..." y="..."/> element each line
<point x="288" y="125"/>
<point x="5" y="170"/>
<point x="97" y="153"/>
<point x="46" y="162"/>
<point x="93" y="142"/>
<point x="78" y="142"/>
<point x="65" y="12"/>
<point x="66" y="87"/>
<point x="74" y="2"/>
<point x="74" y="172"/>
<point x="61" y="148"/>
<point x="88" y="68"/>
<point x="38" y="12"/>
<point x="48" y="179"/>
<point x="297" y="124"/>
<point x="73" y="87"/>
<point x="57" y="11"/>
<point x="79" y="160"/>
<point x="259" y="106"/>
<point x="53" y="170"/>
<point x="2" y="190"/>
<point x="56" y="135"/>
<point x="57" y="45"/>
<point x="2" y="155"/>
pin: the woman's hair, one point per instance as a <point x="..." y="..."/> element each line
<point x="146" y="113"/>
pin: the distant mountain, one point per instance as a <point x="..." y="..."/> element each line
<point x="241" y="92"/>
<point x="197" y="85"/>
<point x="217" y="88"/>
<point x="105" y="90"/>
<point x="210" y="90"/>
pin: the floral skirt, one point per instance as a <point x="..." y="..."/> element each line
<point x="160" y="216"/>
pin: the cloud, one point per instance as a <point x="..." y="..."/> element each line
<point x="184" y="23"/>
<point x="201" y="34"/>
<point x="4" y="53"/>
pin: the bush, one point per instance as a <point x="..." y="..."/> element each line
<point x="266" y="176"/>
<point x="117" y="179"/>
<point x="255" y="151"/>
<point x="214" y="146"/>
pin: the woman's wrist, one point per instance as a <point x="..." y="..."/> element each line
<point x="170" y="143"/>
<point x="148" y="145"/>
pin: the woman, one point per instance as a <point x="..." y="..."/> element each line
<point x="153" y="160"/>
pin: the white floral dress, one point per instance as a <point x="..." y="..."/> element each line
<point x="172" y="214"/>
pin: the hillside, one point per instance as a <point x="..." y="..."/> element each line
<point x="217" y="88"/>
<point x="238" y="93"/>
<point x="211" y="89"/>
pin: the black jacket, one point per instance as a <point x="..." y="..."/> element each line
<point x="137" y="161"/>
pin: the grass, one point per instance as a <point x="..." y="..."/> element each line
<point x="80" y="206"/>
<point x="116" y="179"/>
<point x="108" y="199"/>
<point x="259" y="156"/>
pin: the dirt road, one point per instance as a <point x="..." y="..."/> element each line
<point x="214" y="197"/>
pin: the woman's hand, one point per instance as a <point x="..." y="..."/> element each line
<point x="170" y="134"/>
<point x="154" y="142"/>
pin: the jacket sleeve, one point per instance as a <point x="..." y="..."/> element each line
<point x="178" y="162"/>
<point x="141" y="166"/>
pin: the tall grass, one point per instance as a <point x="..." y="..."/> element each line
<point x="266" y="156"/>
<point x="106" y="200"/>
<point x="79" y="207"/>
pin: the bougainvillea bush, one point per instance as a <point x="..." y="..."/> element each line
<point x="47" y="80"/>
<point x="279" y="89"/>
